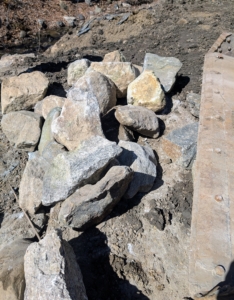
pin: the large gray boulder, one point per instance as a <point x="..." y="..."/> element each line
<point x="90" y="204"/>
<point x="74" y="169"/>
<point x="51" y="271"/>
<point x="142" y="161"/>
<point x="76" y="70"/>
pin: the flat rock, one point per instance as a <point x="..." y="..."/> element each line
<point x="74" y="169"/>
<point x="90" y="204"/>
<point x="165" y="68"/>
<point x="76" y="70"/>
<point x="194" y="101"/>
<point x="51" y="271"/>
<point x="23" y="129"/>
<point x="50" y="102"/>
<point x="23" y="92"/>
<point x="138" y="118"/>
<point x="181" y="144"/>
<point x="146" y="91"/>
<point x="142" y="161"/>
<point x="114" y="56"/>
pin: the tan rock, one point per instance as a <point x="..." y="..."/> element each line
<point x="76" y="70"/>
<point x="146" y="91"/>
<point x="114" y="56"/>
<point x="50" y="102"/>
<point x="38" y="108"/>
<point x="23" y="92"/>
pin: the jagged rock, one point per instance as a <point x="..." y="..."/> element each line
<point x="142" y="161"/>
<point x="22" y="128"/>
<point x="51" y="271"/>
<point x="30" y="190"/>
<point x="139" y="119"/>
<point x="121" y="73"/>
<point x="146" y="91"/>
<point x="47" y="134"/>
<point x="194" y="101"/>
<point x="90" y="204"/>
<point x="101" y="87"/>
<point x="23" y="92"/>
<point x="165" y="68"/>
<point x="181" y="144"/>
<point x="51" y="150"/>
<point x="12" y="282"/>
<point x="114" y="56"/>
<point x="76" y="70"/>
<point x="50" y="102"/>
<point x="74" y="169"/>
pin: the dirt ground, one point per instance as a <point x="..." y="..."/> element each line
<point x="141" y="250"/>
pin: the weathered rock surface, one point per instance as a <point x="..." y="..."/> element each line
<point x="165" y="68"/>
<point x="90" y="204"/>
<point x="142" y="161"/>
<point x="76" y="70"/>
<point x="79" y="119"/>
<point x="74" y="169"/>
<point x="181" y="144"/>
<point x="38" y="108"/>
<point x="23" y="129"/>
<point x="121" y="73"/>
<point x="51" y="150"/>
<point x="146" y="91"/>
<point x="50" y="102"/>
<point x="30" y="190"/>
<point x="12" y="282"/>
<point x="138" y="118"/>
<point x="23" y="92"/>
<point x="194" y="101"/>
<point x="51" y="271"/>
<point x="114" y="56"/>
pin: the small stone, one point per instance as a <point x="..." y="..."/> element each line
<point x="22" y="34"/>
<point x="41" y="23"/>
<point x="70" y="21"/>
<point x="81" y="17"/>
<point x="76" y="70"/>
<point x="218" y="198"/>
<point x="220" y="270"/>
<point x="97" y="10"/>
<point x="115" y="56"/>
<point x="182" y="21"/>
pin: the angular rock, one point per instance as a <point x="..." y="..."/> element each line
<point x="76" y="70"/>
<point x="50" y="102"/>
<point x="146" y="91"/>
<point x="23" y="92"/>
<point x="74" y="169"/>
<point x="181" y="144"/>
<point x="142" y="161"/>
<point x="79" y="119"/>
<point x="30" y="190"/>
<point x="51" y="271"/>
<point x="114" y="56"/>
<point x="101" y="87"/>
<point x="165" y="68"/>
<point x="194" y="101"/>
<point x="90" y="204"/>
<point x="139" y="119"/>
<point x="121" y="73"/>
<point x="22" y="128"/>
<point x="12" y="281"/>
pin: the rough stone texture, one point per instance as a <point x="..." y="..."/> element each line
<point x="50" y="102"/>
<point x="101" y="87"/>
<point x="23" y="92"/>
<point x="30" y="190"/>
<point x="51" y="150"/>
<point x="12" y="282"/>
<point x="194" y="101"/>
<point x="38" y="108"/>
<point x="138" y="118"/>
<point x="51" y="271"/>
<point x="121" y="73"/>
<point x="181" y="144"/>
<point x="146" y="91"/>
<point x="47" y="134"/>
<point x="23" y="129"/>
<point x="114" y="56"/>
<point x="142" y="161"/>
<point x="72" y="170"/>
<point x="165" y="68"/>
<point x="90" y="204"/>
<point x="79" y="119"/>
<point x="76" y="70"/>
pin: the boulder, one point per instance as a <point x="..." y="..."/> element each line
<point x="51" y="271"/>
<point x="76" y="70"/>
<point x="79" y="119"/>
<point x="181" y="144"/>
<point x="22" y="128"/>
<point x="30" y="190"/>
<point x="51" y="150"/>
<point x="146" y="91"/>
<point x="90" y="204"/>
<point x="12" y="281"/>
<point x="23" y="92"/>
<point x="114" y="56"/>
<point x="194" y="101"/>
<point x="74" y="169"/>
<point x="164" y="68"/>
<point x="138" y="118"/>
<point x="121" y="73"/>
<point x="142" y="161"/>
<point x="50" y="102"/>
